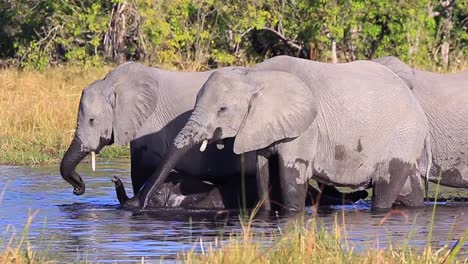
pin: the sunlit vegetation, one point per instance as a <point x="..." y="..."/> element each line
<point x="309" y="244"/>
<point x="53" y="49"/>
<point x="296" y="243"/>
<point x="38" y="113"/>
<point x="200" y="34"/>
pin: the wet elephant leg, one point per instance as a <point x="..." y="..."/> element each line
<point x="142" y="166"/>
<point x="386" y="190"/>
<point x="293" y="184"/>
<point x="412" y="193"/>
<point x="263" y="188"/>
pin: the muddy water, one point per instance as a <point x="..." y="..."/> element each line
<point x="90" y="227"/>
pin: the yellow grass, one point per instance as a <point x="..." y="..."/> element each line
<point x="18" y="250"/>
<point x="38" y="112"/>
<point x="297" y="243"/>
<point x="308" y="244"/>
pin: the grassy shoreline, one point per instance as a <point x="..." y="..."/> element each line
<point x="38" y="114"/>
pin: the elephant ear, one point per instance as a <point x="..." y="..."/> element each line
<point x="405" y="72"/>
<point x="281" y="107"/>
<point x="135" y="98"/>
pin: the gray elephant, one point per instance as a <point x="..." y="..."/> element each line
<point x="148" y="107"/>
<point x="444" y="99"/>
<point x="352" y="124"/>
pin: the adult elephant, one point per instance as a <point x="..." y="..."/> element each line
<point x="444" y="99"/>
<point x="147" y="107"/>
<point x="344" y="124"/>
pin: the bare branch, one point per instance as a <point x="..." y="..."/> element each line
<point x="289" y="42"/>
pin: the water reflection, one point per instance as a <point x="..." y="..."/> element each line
<point x="91" y="227"/>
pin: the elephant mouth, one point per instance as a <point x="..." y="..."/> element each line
<point x="216" y="138"/>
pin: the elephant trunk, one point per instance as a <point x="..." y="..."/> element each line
<point x="70" y="160"/>
<point x="184" y="141"/>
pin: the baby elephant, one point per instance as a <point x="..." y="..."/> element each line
<point x="192" y="193"/>
<point x="350" y="124"/>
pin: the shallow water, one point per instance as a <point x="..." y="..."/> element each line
<point x="91" y="227"/>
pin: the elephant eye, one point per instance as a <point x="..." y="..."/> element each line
<point x="222" y="109"/>
<point x="91" y="121"/>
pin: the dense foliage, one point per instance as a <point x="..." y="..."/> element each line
<point x="199" y="34"/>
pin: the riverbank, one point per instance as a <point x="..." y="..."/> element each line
<point x="38" y="114"/>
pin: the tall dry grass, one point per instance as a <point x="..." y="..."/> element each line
<point x="38" y="112"/>
<point x="310" y="244"/>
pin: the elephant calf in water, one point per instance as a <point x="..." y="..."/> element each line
<point x="189" y="192"/>
<point x="350" y="124"/>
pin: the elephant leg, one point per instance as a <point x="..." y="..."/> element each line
<point x="141" y="167"/>
<point x="293" y="185"/>
<point x="263" y="178"/>
<point x="412" y="193"/>
<point x="386" y="189"/>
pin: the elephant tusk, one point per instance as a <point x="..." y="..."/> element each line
<point x="220" y="146"/>
<point x="93" y="160"/>
<point x="203" y="146"/>
<point x="208" y="182"/>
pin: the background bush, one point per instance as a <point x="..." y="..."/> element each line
<point x="201" y="34"/>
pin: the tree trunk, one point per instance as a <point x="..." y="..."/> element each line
<point x="333" y="50"/>
<point x="445" y="30"/>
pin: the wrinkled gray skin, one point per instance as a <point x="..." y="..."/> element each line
<point x="444" y="99"/>
<point x="148" y="107"/>
<point x="350" y="124"/>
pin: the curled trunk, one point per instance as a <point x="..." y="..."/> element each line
<point x="70" y="160"/>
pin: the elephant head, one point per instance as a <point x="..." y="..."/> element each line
<point x="110" y="110"/>
<point x="258" y="108"/>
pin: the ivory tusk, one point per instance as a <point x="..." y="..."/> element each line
<point x="220" y="146"/>
<point x="203" y="146"/>
<point x="93" y="160"/>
